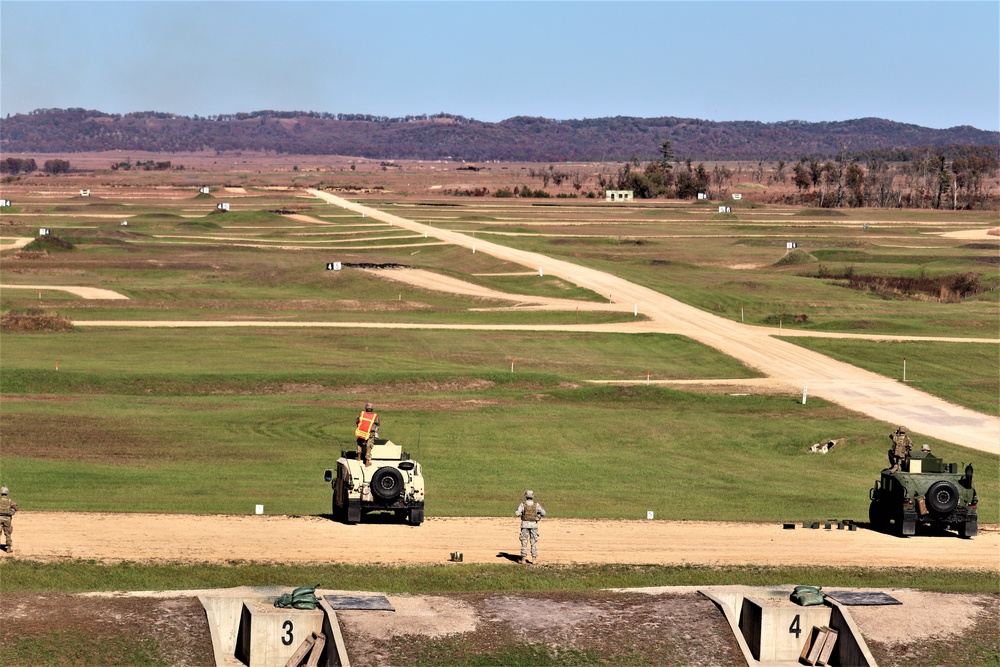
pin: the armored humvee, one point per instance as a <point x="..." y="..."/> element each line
<point x="924" y="491"/>
<point x="393" y="482"/>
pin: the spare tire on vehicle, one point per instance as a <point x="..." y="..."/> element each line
<point x="387" y="484"/>
<point x="942" y="497"/>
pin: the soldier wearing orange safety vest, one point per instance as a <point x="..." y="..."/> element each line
<point x="366" y="432"/>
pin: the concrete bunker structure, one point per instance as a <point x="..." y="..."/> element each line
<point x="249" y="631"/>
<point x="772" y="631"/>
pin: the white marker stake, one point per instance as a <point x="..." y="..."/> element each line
<point x="904" y="369"/>
<point x="635" y="311"/>
<point x="741" y="313"/>
<point x="647" y="377"/>
<point x="805" y="391"/>
<point x="540" y="273"/>
<point x="260" y="509"/>
<point x="512" y="364"/>
<point x="649" y="515"/>
<point x="473" y="250"/>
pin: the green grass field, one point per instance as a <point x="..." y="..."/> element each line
<point x="80" y="576"/>
<point x="172" y="425"/>
<point x="203" y="420"/>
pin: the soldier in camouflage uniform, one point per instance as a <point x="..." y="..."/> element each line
<point x="530" y="512"/>
<point x="366" y="433"/>
<point x="7" y="510"/>
<point x="901" y="447"/>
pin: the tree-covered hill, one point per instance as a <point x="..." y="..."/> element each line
<point x="449" y="136"/>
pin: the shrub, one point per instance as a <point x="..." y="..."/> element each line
<point x="34" y="319"/>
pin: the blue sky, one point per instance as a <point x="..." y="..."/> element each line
<point x="935" y="64"/>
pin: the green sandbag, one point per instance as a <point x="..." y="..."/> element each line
<point x="807" y="596"/>
<point x="303" y="597"/>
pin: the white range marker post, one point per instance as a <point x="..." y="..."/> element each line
<point x="805" y="392"/>
<point x="904" y="369"/>
<point x="635" y="311"/>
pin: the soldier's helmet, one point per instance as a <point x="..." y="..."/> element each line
<point x="529" y="494"/>
<point x="369" y="407"/>
<point x="925" y="448"/>
<point x="4" y="491"/>
<point x="901" y="429"/>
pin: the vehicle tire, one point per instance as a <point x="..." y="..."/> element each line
<point x="352" y="514"/>
<point x="942" y="497"/>
<point x="416" y="516"/>
<point x="874" y="515"/>
<point x="968" y="529"/>
<point x="387" y="484"/>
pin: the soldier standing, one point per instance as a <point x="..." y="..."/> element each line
<point x="366" y="432"/>
<point x="7" y="510"/>
<point x="901" y="447"/>
<point x="530" y="513"/>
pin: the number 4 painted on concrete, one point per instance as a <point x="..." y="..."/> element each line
<point x="795" y="628"/>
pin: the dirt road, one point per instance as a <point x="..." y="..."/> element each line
<point x="282" y="539"/>
<point x="82" y="292"/>
<point x="852" y="387"/>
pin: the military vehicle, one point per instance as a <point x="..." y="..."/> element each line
<point x="924" y="491"/>
<point x="392" y="483"/>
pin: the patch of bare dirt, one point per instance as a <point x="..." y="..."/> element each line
<point x="951" y="614"/>
<point x="71" y="629"/>
<point x="658" y="629"/>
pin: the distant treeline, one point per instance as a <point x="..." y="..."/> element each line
<point x="449" y="136"/>
<point x="14" y="166"/>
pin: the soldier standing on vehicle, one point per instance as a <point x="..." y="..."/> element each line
<point x="7" y="510"/>
<point x="366" y="433"/>
<point x="901" y="447"/>
<point x="530" y="513"/>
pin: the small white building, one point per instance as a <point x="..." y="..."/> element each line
<point x="617" y="195"/>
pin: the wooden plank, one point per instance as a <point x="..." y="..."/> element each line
<point x="817" y="645"/>
<point x="317" y="649"/>
<point x="296" y="658"/>
<point x="831" y="639"/>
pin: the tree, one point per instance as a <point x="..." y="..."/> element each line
<point x="56" y="166"/>
<point x="801" y="176"/>
<point x="779" y="172"/>
<point x="13" y="165"/>
<point x="855" y="182"/>
<point x="720" y="175"/>
<point x="666" y="155"/>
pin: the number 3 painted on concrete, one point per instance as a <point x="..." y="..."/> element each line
<point x="287" y="627"/>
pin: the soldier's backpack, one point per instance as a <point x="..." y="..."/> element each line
<point x="530" y="512"/>
<point x="807" y="596"/>
<point x="303" y="597"/>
